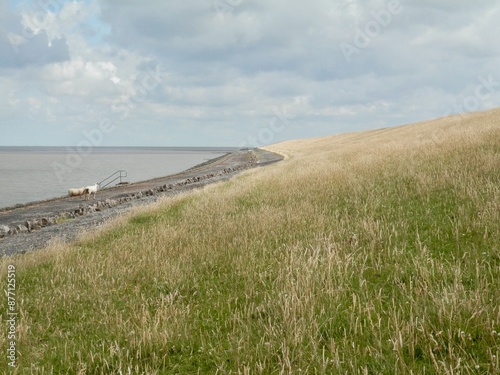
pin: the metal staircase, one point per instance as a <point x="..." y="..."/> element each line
<point x="118" y="175"/>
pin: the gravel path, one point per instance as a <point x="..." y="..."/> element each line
<point x="34" y="225"/>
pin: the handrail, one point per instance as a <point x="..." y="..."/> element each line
<point x="120" y="173"/>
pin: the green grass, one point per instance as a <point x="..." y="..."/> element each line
<point x="374" y="253"/>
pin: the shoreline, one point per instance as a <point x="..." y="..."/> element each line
<point x="32" y="226"/>
<point x="48" y="200"/>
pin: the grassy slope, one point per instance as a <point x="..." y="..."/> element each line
<point x="374" y="252"/>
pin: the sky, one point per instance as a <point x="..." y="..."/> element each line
<point x="240" y="73"/>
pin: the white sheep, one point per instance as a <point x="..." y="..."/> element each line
<point x="76" y="192"/>
<point x="91" y="190"/>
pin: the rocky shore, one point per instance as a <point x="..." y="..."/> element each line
<point x="33" y="226"/>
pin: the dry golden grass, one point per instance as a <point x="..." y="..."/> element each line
<point x="371" y="252"/>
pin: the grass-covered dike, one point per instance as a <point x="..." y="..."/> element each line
<point x="365" y="253"/>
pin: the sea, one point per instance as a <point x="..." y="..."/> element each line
<point x="29" y="174"/>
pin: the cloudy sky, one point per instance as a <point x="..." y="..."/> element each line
<point x="238" y="72"/>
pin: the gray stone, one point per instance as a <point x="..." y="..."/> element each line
<point x="4" y="230"/>
<point x="21" y="229"/>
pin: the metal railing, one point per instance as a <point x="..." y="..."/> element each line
<point x="118" y="175"/>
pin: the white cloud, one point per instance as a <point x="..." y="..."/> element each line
<point x="65" y="21"/>
<point x="170" y="71"/>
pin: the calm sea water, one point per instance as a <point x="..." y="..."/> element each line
<point x="35" y="173"/>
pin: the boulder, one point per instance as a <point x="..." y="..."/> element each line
<point x="110" y="202"/>
<point x="21" y="229"/>
<point x="35" y="226"/>
<point x="4" y="230"/>
<point x="67" y="215"/>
